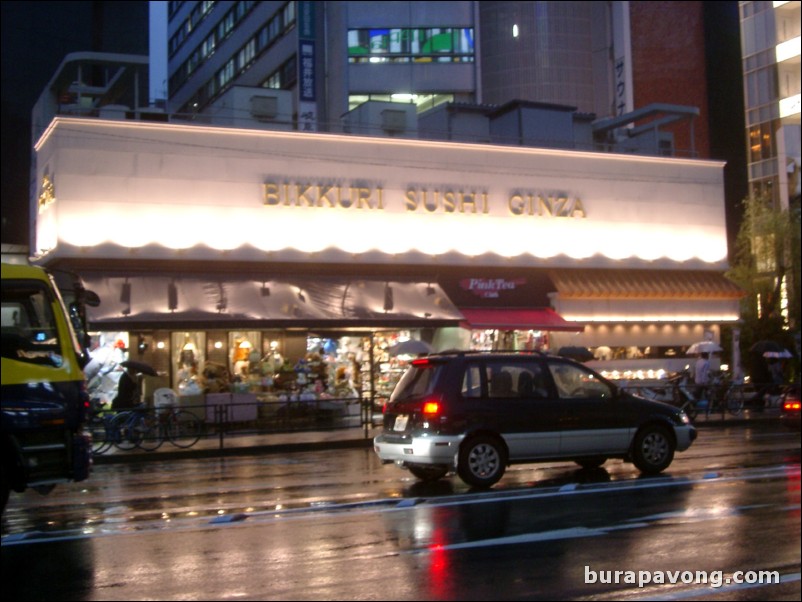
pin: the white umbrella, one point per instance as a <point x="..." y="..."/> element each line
<point x="410" y="347"/>
<point x="703" y="347"/>
<point x="781" y="355"/>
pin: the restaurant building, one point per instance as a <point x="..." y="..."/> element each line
<point x="285" y="263"/>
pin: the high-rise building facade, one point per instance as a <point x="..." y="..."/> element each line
<point x="605" y="59"/>
<point x="770" y="39"/>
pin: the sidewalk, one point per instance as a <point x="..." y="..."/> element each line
<point x="353" y="437"/>
<point x="249" y="444"/>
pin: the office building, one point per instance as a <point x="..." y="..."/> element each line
<point x="770" y="37"/>
<point x="319" y="62"/>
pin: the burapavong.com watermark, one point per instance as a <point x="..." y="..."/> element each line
<point x="711" y="578"/>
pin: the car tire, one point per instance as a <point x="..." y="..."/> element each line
<point x="482" y="461"/>
<point x="653" y="449"/>
<point x="591" y="462"/>
<point x="428" y="474"/>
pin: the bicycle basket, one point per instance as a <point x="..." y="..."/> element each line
<point x="164" y="400"/>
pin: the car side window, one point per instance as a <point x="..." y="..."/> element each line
<point x="472" y="382"/>
<point x="576" y="383"/>
<point x="516" y="380"/>
<point x="531" y="383"/>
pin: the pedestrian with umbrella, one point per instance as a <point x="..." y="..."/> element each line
<point x="767" y="375"/>
<point x="129" y="390"/>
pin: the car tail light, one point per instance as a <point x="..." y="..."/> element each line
<point x="791" y="406"/>
<point x="431" y="409"/>
<point x="421" y="362"/>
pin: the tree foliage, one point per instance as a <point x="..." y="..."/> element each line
<point x="766" y="264"/>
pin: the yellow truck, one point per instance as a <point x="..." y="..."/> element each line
<point x="44" y="397"/>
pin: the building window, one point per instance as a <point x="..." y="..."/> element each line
<point x="246" y="55"/>
<point x="436" y="44"/>
<point x="281" y="22"/>
<point x="226" y="26"/>
<point x="284" y="77"/>
<point x="225" y="75"/>
<point x="422" y="102"/>
<point x="207" y="48"/>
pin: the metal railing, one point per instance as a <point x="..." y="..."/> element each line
<point x="257" y="417"/>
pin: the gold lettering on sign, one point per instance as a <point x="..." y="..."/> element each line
<point x="322" y="195"/>
<point x="445" y="201"/>
<point x="416" y="199"/>
<point x="48" y="195"/>
<point x="550" y="206"/>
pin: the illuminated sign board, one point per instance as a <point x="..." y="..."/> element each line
<point x="162" y="188"/>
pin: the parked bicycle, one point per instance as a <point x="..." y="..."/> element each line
<point x="726" y="395"/>
<point x="182" y="428"/>
<point x="722" y="395"/>
<point x="684" y="393"/>
<point x="678" y="391"/>
<point x="113" y="429"/>
<point x="143" y="427"/>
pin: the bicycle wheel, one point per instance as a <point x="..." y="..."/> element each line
<point x="151" y="432"/>
<point x="735" y="400"/>
<point x="100" y="440"/>
<point x="121" y="431"/>
<point x="184" y="428"/>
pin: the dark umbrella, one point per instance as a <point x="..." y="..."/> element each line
<point x="410" y="347"/>
<point x="762" y="347"/>
<point x="580" y="354"/>
<point x="140" y="367"/>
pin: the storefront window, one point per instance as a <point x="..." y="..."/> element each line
<point x="244" y="354"/>
<point x="509" y="340"/>
<point x="188" y="358"/>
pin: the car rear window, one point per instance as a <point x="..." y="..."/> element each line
<point x="418" y="381"/>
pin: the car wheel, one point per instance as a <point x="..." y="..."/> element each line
<point x="591" y="461"/>
<point x="653" y="449"/>
<point x="428" y="473"/>
<point x="482" y="461"/>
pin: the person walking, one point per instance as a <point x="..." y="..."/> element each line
<point x="701" y="378"/>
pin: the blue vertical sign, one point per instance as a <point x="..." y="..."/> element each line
<point x="307" y="105"/>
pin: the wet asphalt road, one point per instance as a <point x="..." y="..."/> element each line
<point x="339" y="525"/>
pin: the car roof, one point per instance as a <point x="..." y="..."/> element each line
<point x="500" y="354"/>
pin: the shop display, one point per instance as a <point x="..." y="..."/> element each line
<point x="334" y="377"/>
<point x="215" y="378"/>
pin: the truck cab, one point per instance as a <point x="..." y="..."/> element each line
<point x="44" y="397"/>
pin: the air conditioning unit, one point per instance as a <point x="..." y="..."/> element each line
<point x="393" y="120"/>
<point x="264" y="107"/>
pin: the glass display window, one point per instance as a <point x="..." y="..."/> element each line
<point x="189" y="357"/>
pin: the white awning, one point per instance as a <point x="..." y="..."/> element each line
<point x="136" y="302"/>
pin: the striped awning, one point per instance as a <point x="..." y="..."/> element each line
<point x="518" y="318"/>
<point x="643" y="284"/>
